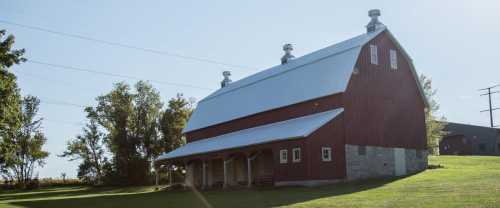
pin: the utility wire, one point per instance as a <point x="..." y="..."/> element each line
<point x="49" y="80"/>
<point x="79" y="124"/>
<point x="490" y="109"/>
<point x="62" y="103"/>
<point x="122" y="45"/>
<point x="65" y="67"/>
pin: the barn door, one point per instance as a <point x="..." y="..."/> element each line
<point x="400" y="161"/>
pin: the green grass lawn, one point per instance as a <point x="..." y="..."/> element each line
<point x="463" y="182"/>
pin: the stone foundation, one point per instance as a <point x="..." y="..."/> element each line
<point x="382" y="161"/>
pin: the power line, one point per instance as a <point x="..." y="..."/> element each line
<point x="64" y="103"/>
<point x="52" y="81"/>
<point x="48" y="80"/>
<point x="122" y="45"/>
<point x="65" y="67"/>
<point x="490" y="109"/>
<point x="80" y="124"/>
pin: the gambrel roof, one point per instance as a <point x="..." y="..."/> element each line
<point x="320" y="73"/>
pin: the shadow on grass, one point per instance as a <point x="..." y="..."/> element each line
<point x="258" y="197"/>
<point x="63" y="192"/>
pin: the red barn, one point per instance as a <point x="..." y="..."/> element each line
<point x="348" y="111"/>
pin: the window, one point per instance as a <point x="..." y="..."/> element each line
<point x="394" y="59"/>
<point x="326" y="154"/>
<point x="296" y="154"/>
<point x="361" y="150"/>
<point x="283" y="156"/>
<point x="498" y="147"/>
<point x="373" y="54"/>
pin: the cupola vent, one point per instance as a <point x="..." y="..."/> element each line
<point x="374" y="24"/>
<point x="288" y="48"/>
<point x="226" y="81"/>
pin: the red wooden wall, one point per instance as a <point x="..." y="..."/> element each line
<point x="280" y="114"/>
<point x="383" y="107"/>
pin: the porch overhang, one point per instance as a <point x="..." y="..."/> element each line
<point x="284" y="130"/>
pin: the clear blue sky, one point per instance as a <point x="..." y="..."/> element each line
<point x="455" y="42"/>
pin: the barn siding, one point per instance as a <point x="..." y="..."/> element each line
<point x="311" y="166"/>
<point x="280" y="114"/>
<point x="383" y="107"/>
<point x="330" y="135"/>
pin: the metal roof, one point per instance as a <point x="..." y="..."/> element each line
<point x="321" y="73"/>
<point x="290" y="129"/>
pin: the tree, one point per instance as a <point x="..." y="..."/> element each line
<point x="26" y="151"/>
<point x="173" y="120"/>
<point x="137" y="130"/>
<point x="434" y="126"/>
<point x="147" y="109"/>
<point x="63" y="176"/>
<point x="113" y="112"/>
<point x="9" y="92"/>
<point x="131" y="120"/>
<point x="88" y="147"/>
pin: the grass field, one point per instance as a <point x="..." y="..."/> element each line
<point x="463" y="182"/>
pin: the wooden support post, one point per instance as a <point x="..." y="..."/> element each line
<point x="250" y="158"/>
<point x="186" y="175"/>
<point x="226" y="179"/>
<point x="157" y="177"/>
<point x="204" y="174"/>
<point x="249" y="171"/>
<point x="225" y="174"/>
<point x="170" y="175"/>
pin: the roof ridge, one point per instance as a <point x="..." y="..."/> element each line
<point x="279" y="73"/>
<point x="291" y="68"/>
<point x="474" y="125"/>
<point x="319" y="73"/>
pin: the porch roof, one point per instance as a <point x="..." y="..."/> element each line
<point x="289" y="129"/>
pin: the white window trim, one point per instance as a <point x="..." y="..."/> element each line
<point x="329" y="158"/>
<point x="373" y="54"/>
<point x="284" y="160"/>
<point x="294" y="158"/>
<point x="393" y="59"/>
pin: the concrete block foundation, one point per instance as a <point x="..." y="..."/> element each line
<point x="373" y="162"/>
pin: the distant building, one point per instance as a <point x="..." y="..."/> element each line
<point x="348" y="111"/>
<point x="465" y="139"/>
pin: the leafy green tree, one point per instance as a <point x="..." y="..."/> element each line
<point x="88" y="147"/>
<point x="131" y="121"/>
<point x="113" y="112"/>
<point x="173" y="120"/>
<point x="434" y="126"/>
<point x="27" y="142"/>
<point x="145" y="127"/>
<point x="137" y="130"/>
<point x="9" y="92"/>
